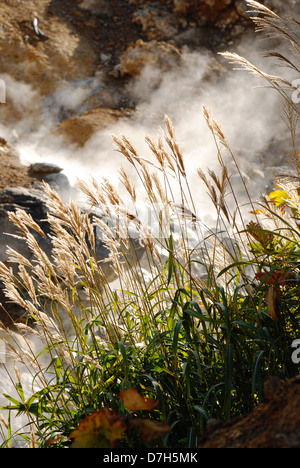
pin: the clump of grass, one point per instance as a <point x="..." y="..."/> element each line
<point x="201" y="317"/>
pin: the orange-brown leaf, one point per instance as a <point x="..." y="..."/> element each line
<point x="259" y="234"/>
<point x="273" y="301"/>
<point x="150" y="430"/>
<point x="279" y="277"/>
<point x="53" y="441"/>
<point x="134" y="401"/>
<point x="101" y="429"/>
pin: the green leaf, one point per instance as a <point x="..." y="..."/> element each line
<point x="228" y="380"/>
<point x="124" y="356"/>
<point x="202" y="411"/>
<point x="170" y="259"/>
<point x="231" y="266"/>
<point x="176" y="335"/>
<point x="13" y="400"/>
<point x="257" y="378"/>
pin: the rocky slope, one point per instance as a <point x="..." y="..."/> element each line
<point x="47" y="43"/>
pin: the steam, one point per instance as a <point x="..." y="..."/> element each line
<point x="248" y="116"/>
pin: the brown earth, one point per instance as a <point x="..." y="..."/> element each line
<point x="13" y="173"/>
<point x="79" y="129"/>
<point x="273" y="424"/>
<point x="84" y="37"/>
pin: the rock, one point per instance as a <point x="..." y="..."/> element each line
<point x="160" y="54"/>
<point x="33" y="69"/>
<point x="202" y="11"/>
<point x="51" y="173"/>
<point x="32" y="201"/>
<point x="273" y="424"/>
<point x="43" y="168"/>
<point x="89" y="35"/>
<point x="11" y="313"/>
<point x="97" y="7"/>
<point x="79" y="129"/>
<point x="60" y="183"/>
<point x="105" y="58"/>
<point x="180" y="7"/>
<point x="157" y="23"/>
<point x="12" y="171"/>
<point x="221" y="13"/>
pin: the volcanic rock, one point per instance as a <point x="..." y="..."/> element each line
<point x="97" y="7"/>
<point x="79" y="129"/>
<point x="202" y="10"/>
<point x="157" y="23"/>
<point x="32" y="201"/>
<point x="44" y="168"/>
<point x="51" y="173"/>
<point x="136" y="57"/>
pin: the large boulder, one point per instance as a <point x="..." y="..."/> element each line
<point x="81" y="128"/>
<point x="273" y="424"/>
<point x="32" y="201"/>
<point x="156" y="22"/>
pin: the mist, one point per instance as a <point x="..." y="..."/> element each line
<point x="249" y="115"/>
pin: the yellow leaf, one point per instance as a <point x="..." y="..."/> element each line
<point x="257" y="212"/>
<point x="279" y="197"/>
